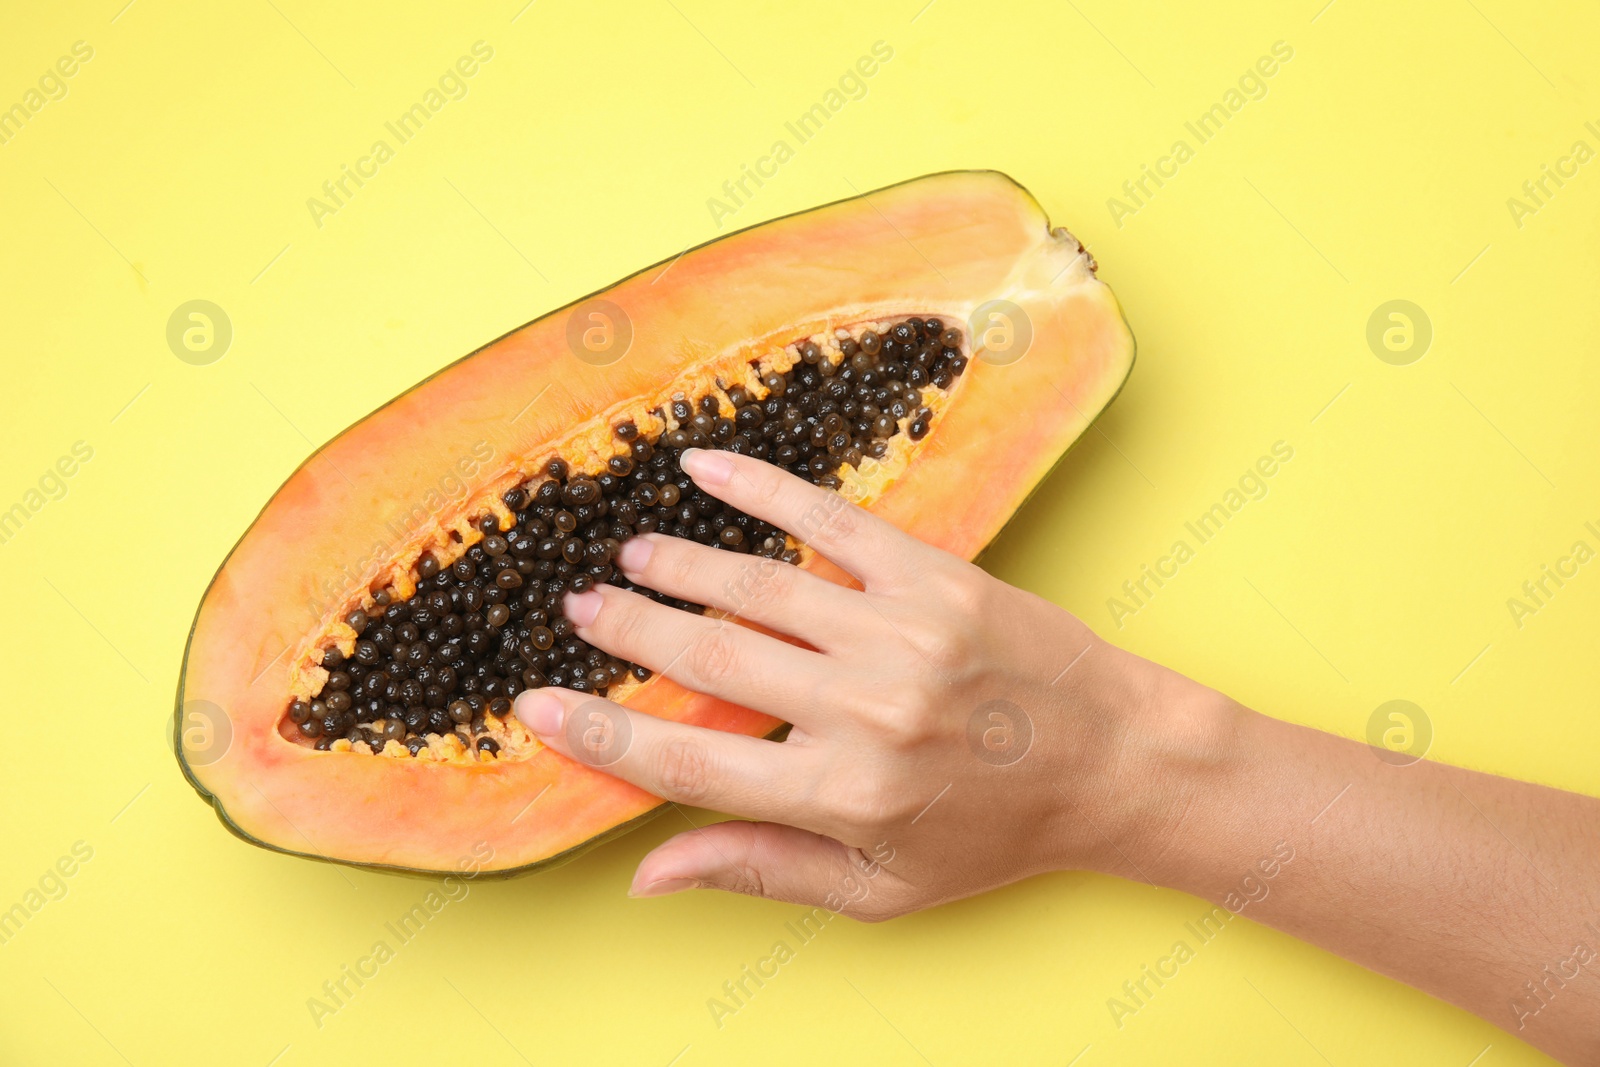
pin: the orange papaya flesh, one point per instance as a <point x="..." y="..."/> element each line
<point x="431" y="482"/>
<point x="486" y="606"/>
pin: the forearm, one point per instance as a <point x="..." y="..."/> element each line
<point x="1483" y="891"/>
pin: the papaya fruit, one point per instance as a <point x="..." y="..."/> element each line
<point x="928" y="350"/>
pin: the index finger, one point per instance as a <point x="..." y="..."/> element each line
<point x="877" y="553"/>
<point x="686" y="764"/>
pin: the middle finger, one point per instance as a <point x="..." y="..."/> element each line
<point x="776" y="595"/>
<point x="715" y="656"/>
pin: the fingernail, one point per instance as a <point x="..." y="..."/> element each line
<point x="634" y="554"/>
<point x="581" y="608"/>
<point x="540" y="712"/>
<point x="662" y="887"/>
<point x="708" y="468"/>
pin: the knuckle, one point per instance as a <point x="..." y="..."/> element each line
<point x="713" y="657"/>
<point x="900" y="710"/>
<point x="621" y="622"/>
<point x="762" y="584"/>
<point x="837" y="521"/>
<point x="952" y="659"/>
<point x="962" y="590"/>
<point x="819" y="517"/>
<point x="942" y="644"/>
<point x="683" y="770"/>
<point x="677" y="567"/>
<point x="865" y="803"/>
<point x="745" y="878"/>
<point x="930" y="637"/>
<point x="905" y="723"/>
<point x="914" y="721"/>
<point x="837" y="801"/>
<point x="763" y="491"/>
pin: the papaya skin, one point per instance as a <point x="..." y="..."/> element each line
<point x="992" y="241"/>
<point x="561" y="859"/>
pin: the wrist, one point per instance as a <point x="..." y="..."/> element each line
<point x="1181" y="746"/>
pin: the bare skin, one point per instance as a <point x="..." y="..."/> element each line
<point x="953" y="734"/>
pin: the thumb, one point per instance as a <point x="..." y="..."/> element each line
<point x="761" y="859"/>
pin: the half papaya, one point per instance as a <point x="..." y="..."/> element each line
<point x="928" y="350"/>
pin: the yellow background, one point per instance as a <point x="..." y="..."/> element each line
<point x="1377" y="167"/>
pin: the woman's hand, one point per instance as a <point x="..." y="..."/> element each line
<point x="950" y="733"/>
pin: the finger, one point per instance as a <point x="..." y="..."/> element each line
<point x="876" y="552"/>
<point x="762" y="859"/>
<point x="687" y="764"/>
<point x="764" y="591"/>
<point x="716" y="656"/>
